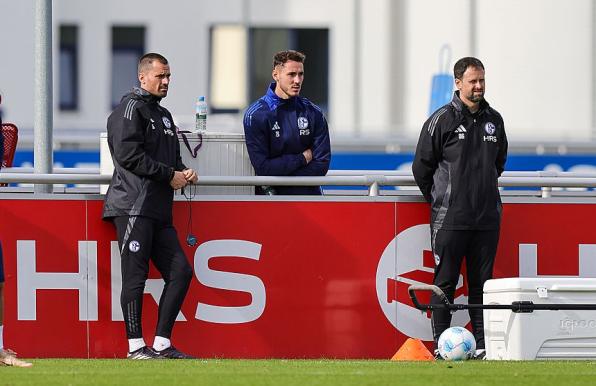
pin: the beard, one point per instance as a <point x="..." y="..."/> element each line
<point x="476" y="97"/>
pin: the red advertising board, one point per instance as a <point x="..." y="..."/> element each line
<point x="285" y="279"/>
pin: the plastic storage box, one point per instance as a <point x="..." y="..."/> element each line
<point x="541" y="334"/>
<point x="221" y="154"/>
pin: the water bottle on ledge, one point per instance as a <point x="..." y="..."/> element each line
<point x="201" y="115"/>
<point x="268" y="190"/>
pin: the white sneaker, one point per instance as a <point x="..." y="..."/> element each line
<point x="9" y="358"/>
<point x="480" y="355"/>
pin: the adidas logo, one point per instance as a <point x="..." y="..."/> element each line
<point x="460" y="132"/>
<point x="275" y="127"/>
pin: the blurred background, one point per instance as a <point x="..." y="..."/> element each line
<point x="376" y="67"/>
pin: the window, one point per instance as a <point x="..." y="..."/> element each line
<point x="128" y="45"/>
<point x="240" y="68"/>
<point x="229" y="82"/>
<point x="68" y="68"/>
<point x="313" y="42"/>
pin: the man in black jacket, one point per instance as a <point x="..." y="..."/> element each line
<point x="147" y="169"/>
<point x="460" y="155"/>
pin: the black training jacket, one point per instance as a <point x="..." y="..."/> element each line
<point x="458" y="160"/>
<point x="146" y="152"/>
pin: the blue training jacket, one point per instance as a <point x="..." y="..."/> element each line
<point x="278" y="130"/>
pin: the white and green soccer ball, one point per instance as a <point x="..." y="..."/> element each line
<point x="457" y="344"/>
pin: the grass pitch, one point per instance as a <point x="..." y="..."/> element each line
<point x="298" y="372"/>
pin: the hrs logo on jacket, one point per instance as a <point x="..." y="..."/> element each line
<point x="408" y="260"/>
<point x="490" y="129"/>
<point x="168" y="126"/>
<point x="303" y="126"/>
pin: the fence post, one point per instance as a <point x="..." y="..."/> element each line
<point x="546" y="191"/>
<point x="373" y="189"/>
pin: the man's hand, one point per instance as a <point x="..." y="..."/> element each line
<point x="191" y="176"/>
<point x="178" y="181"/>
<point x="307" y="155"/>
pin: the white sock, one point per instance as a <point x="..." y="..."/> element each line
<point x="160" y="343"/>
<point x="135" y="344"/>
<point x="1" y="339"/>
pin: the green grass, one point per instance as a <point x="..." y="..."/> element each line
<point x="298" y="372"/>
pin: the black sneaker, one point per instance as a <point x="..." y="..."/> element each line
<point x="438" y="356"/>
<point x="480" y="355"/>
<point x="143" y="353"/>
<point x="172" y="353"/>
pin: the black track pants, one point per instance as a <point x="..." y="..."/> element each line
<point x="449" y="248"/>
<point x="140" y="239"/>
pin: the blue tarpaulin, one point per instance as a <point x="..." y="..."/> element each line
<point x="442" y="82"/>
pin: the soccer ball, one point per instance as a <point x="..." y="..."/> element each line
<point x="457" y="344"/>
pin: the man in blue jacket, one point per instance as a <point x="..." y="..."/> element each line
<point x="286" y="134"/>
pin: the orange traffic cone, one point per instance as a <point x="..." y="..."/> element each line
<point x="413" y="350"/>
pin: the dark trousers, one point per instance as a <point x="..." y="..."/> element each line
<point x="141" y="239"/>
<point x="449" y="248"/>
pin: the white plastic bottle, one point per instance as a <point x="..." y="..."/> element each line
<point x="201" y="115"/>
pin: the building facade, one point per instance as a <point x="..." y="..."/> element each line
<point x="369" y="64"/>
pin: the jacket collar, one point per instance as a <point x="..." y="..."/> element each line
<point x="144" y="95"/>
<point x="273" y="100"/>
<point x="462" y="108"/>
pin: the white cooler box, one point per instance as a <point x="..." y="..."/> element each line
<point x="541" y="334"/>
<point x="221" y="154"/>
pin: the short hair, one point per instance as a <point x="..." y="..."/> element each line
<point x="282" y="57"/>
<point x="462" y="65"/>
<point x="147" y="60"/>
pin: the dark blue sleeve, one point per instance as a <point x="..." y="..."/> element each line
<point x="321" y="151"/>
<point x="257" y="134"/>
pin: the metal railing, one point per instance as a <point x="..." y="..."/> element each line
<point x="371" y="179"/>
